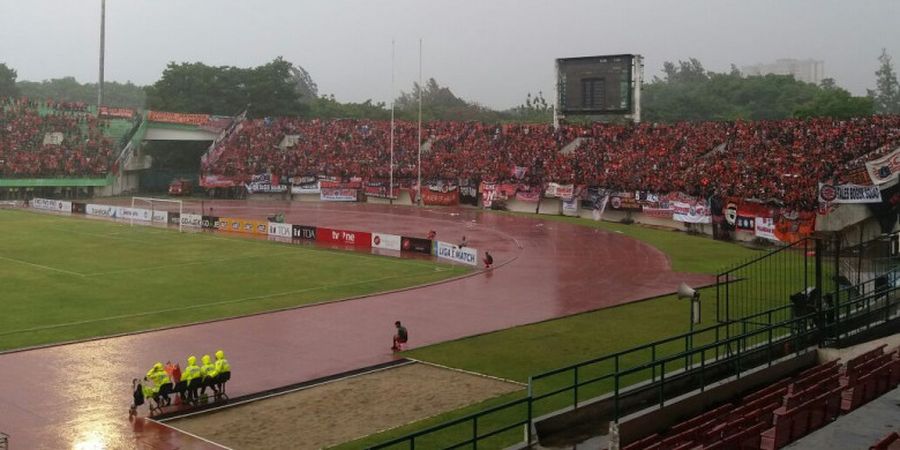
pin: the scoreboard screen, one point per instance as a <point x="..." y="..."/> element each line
<point x="593" y="85"/>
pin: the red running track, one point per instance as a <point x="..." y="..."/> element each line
<point x="76" y="395"/>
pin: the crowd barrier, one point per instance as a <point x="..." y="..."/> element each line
<point x="284" y="232"/>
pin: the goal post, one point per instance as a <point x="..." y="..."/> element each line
<point x="156" y="204"/>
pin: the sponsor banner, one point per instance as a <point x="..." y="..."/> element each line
<point x="344" y="237"/>
<point x="464" y="255"/>
<point x="884" y="169"/>
<point x="284" y="230"/>
<point x="51" y="205"/>
<point x="488" y="192"/>
<point x="79" y="208"/>
<point x="265" y="183"/>
<point x="218" y="181"/>
<point x="334" y="183"/>
<point x="468" y="193"/>
<point x="100" y="210"/>
<point x="209" y="222"/>
<point x="430" y="197"/>
<point x="173" y="218"/>
<point x="381" y="190"/>
<point x="418" y="245"/>
<point x="191" y="220"/>
<point x="303" y="232"/>
<point x="765" y="228"/>
<point x="236" y="225"/>
<point x="692" y="212"/>
<point x="559" y="190"/>
<point x="662" y="213"/>
<point x="570" y="207"/>
<point x="624" y="201"/>
<point x="122" y="113"/>
<point x="386" y="241"/>
<point x="161" y="216"/>
<point x="848" y="193"/>
<point x="144" y="215"/>
<point x="441" y="186"/>
<point x="337" y="194"/>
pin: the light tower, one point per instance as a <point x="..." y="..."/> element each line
<point x="102" y="52"/>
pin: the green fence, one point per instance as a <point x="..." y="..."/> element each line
<point x="668" y="368"/>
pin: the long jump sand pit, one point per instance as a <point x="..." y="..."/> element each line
<point x="343" y="410"/>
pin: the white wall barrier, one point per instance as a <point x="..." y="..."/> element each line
<point x="100" y="210"/>
<point x="280" y="229"/>
<point x="465" y="255"/>
<point x="191" y="220"/>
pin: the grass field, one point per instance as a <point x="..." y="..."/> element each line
<point x="66" y="278"/>
<point x="519" y="352"/>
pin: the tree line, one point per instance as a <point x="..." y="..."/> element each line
<point x="686" y="91"/>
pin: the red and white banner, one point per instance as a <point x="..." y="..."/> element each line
<point x="559" y="190"/>
<point x="343" y="237"/>
<point x="450" y="198"/>
<point x="693" y="212"/>
<point x="488" y="191"/>
<point x="338" y="195"/>
<point x="122" y="113"/>
<point x="218" y="181"/>
<point x="179" y="118"/>
<point x="765" y="228"/>
<point x="848" y="193"/>
<point x="884" y="169"/>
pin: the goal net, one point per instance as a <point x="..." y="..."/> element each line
<point x="160" y="210"/>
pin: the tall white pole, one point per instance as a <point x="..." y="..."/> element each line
<point x="419" y="185"/>
<point x="391" y="179"/>
<point x="102" y="52"/>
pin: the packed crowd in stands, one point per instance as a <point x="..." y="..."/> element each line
<point x="26" y="151"/>
<point x="781" y="160"/>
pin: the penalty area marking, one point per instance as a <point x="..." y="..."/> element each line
<point x="189" y="434"/>
<point x="219" y="303"/>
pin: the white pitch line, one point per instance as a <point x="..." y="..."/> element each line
<point x="204" y="305"/>
<point x="190" y="434"/>
<point x="191" y="263"/>
<point x="41" y="266"/>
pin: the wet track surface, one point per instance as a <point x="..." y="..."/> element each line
<point x="77" y="395"/>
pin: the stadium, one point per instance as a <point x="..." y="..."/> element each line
<point x="237" y="262"/>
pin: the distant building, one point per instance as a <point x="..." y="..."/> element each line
<point x="808" y="70"/>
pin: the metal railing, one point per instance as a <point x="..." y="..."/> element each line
<point x="665" y="368"/>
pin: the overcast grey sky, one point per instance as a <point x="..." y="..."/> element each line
<point x="490" y="51"/>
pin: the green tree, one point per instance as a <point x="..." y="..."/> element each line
<point x="887" y="90"/>
<point x="267" y="90"/>
<point x="69" y="89"/>
<point x="8" y="81"/>
<point x="535" y="110"/>
<point x="440" y="103"/>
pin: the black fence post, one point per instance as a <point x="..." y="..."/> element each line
<point x="819" y="249"/>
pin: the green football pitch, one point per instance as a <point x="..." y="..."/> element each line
<point x="66" y="278"/>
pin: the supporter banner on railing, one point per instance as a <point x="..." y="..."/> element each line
<point x="691" y="212"/>
<point x="122" y="113"/>
<point x="570" y="207"/>
<point x="284" y="230"/>
<point x="100" y="210"/>
<point x="380" y="189"/>
<point x="266" y="183"/>
<point x="765" y="228"/>
<point x="530" y="194"/>
<point x="305" y="185"/>
<point x="191" y="220"/>
<point x="386" y="241"/>
<point x="848" y="193"/>
<point x="791" y="226"/>
<point x="303" y="232"/>
<point x="178" y="118"/>
<point x="418" y="245"/>
<point x="464" y="255"/>
<point x="218" y="181"/>
<point x="624" y="201"/>
<point x="338" y="195"/>
<point x="559" y="190"/>
<point x="488" y="192"/>
<point x="430" y="197"/>
<point x="884" y="169"/>
<point x="343" y="237"/>
<point x="468" y="192"/>
<point x="51" y="205"/>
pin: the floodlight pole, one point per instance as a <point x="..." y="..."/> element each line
<point x="102" y="52"/>
<point x="419" y="185"/>
<point x="391" y="177"/>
